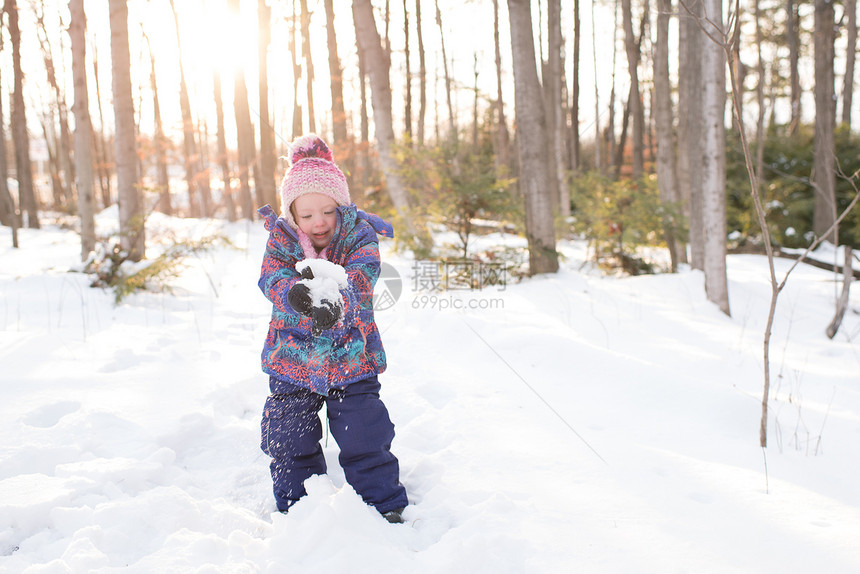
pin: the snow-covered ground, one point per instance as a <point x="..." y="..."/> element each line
<point x="567" y="423"/>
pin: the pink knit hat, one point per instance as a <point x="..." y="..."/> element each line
<point x="312" y="170"/>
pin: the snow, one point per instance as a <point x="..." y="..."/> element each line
<point x="328" y="279"/>
<point x="566" y="423"/>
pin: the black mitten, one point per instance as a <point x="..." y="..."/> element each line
<point x="300" y="299"/>
<point x="325" y="316"/>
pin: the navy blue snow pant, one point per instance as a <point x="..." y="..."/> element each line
<point x="359" y="422"/>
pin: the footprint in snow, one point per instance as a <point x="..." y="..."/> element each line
<point x="49" y="415"/>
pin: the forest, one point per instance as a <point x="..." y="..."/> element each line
<point x="695" y="127"/>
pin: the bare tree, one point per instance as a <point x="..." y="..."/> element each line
<point x="377" y="64"/>
<point x="452" y="126"/>
<point x="309" y="63"/>
<point x="229" y="203"/>
<point x="338" y="113"/>
<point x="690" y="128"/>
<point x="824" y="179"/>
<point x="407" y="112"/>
<point x="131" y="212"/>
<point x="23" y="166"/>
<point x="575" y="145"/>
<point x="760" y="133"/>
<point x="714" y="160"/>
<point x="532" y="142"/>
<point x="555" y="111"/>
<point x="64" y="144"/>
<point x="83" y="128"/>
<point x="850" y="59"/>
<point x="667" y="167"/>
<point x="189" y="144"/>
<point x="503" y="138"/>
<point x="632" y="47"/>
<point x="99" y="144"/>
<point x="8" y="213"/>
<point x="792" y="32"/>
<point x="266" y="185"/>
<point x="297" y="72"/>
<point x="422" y="73"/>
<point x="161" y="143"/>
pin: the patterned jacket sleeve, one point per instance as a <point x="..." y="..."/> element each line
<point x="278" y="273"/>
<point x="362" y="267"/>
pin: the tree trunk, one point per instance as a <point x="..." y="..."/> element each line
<point x="667" y="168"/>
<point x="555" y="116"/>
<point x="8" y="213"/>
<point x="338" y="114"/>
<point x="714" y="161"/>
<point x="83" y="128"/>
<point x="598" y="143"/>
<point x="452" y="126"/>
<point x="842" y="303"/>
<point x="377" y="64"/>
<point x="407" y="112"/>
<point x="850" y="58"/>
<point x="760" y="134"/>
<point x="131" y="212"/>
<point x="309" y="64"/>
<point x="188" y="143"/>
<point x="297" y="71"/>
<point x="532" y="142"/>
<point x="229" y="203"/>
<point x="99" y="143"/>
<point x="63" y="151"/>
<point x="792" y="31"/>
<point x="266" y="185"/>
<point x="824" y="179"/>
<point x="20" y="136"/>
<point x="503" y="138"/>
<point x="690" y="130"/>
<point x="364" y="125"/>
<point x="576" y="148"/>
<point x="422" y="74"/>
<point x="632" y="44"/>
<point x="160" y="141"/>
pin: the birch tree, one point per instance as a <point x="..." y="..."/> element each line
<point x="131" y="213"/>
<point x="532" y="142"/>
<point x="714" y="159"/>
<point x="83" y="128"/>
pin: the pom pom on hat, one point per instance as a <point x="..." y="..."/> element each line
<point x="312" y="170"/>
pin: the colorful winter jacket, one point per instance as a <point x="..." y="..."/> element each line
<point x="352" y="350"/>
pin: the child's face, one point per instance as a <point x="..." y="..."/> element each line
<point x="316" y="215"/>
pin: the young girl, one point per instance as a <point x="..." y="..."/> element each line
<point x="325" y="349"/>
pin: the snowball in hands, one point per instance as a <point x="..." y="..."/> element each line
<point x="323" y="280"/>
